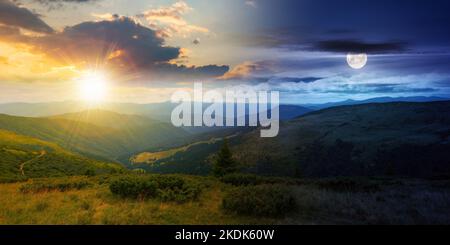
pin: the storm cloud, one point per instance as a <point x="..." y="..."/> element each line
<point x="13" y="15"/>
<point x="58" y="4"/>
<point x="124" y="45"/>
<point x="355" y="46"/>
<point x="64" y="1"/>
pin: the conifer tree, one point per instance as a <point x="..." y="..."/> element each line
<point x="224" y="163"/>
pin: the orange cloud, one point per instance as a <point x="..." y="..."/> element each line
<point x="169" y="21"/>
<point x="116" y="54"/>
<point x="21" y="64"/>
<point x="119" y="45"/>
<point x="244" y="70"/>
<point x="13" y="15"/>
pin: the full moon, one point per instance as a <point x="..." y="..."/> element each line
<point x="357" y="61"/>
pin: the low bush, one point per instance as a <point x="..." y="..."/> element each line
<point x="348" y="184"/>
<point x="8" y="180"/>
<point x="241" y="179"/>
<point x="166" y="187"/>
<point x="134" y="187"/>
<point x="104" y="178"/>
<point x="260" y="201"/>
<point x="60" y="184"/>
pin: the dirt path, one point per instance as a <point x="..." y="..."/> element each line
<point x="23" y="164"/>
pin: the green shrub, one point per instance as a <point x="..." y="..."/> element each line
<point x="104" y="178"/>
<point x="169" y="182"/>
<point x="166" y="187"/>
<point x="8" y="180"/>
<point x="260" y="201"/>
<point x="240" y="179"/>
<point x="90" y="172"/>
<point x="189" y="191"/>
<point x="134" y="187"/>
<point x="60" y="184"/>
<point x="348" y="184"/>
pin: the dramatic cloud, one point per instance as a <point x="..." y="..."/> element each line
<point x="291" y="22"/>
<point x="123" y="45"/>
<point x="105" y="16"/>
<point x="13" y="15"/>
<point x="345" y="46"/>
<point x="64" y="1"/>
<point x="120" y="45"/>
<point x="294" y="79"/>
<point x="171" y="71"/>
<point x="362" y="84"/>
<point x="21" y="65"/>
<point x="58" y="4"/>
<point x="169" y="20"/>
<point x="8" y="32"/>
<point x="247" y="69"/>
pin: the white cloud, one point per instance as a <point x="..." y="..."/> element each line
<point x="251" y="3"/>
<point x="169" y="20"/>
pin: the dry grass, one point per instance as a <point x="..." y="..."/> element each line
<point x="152" y="157"/>
<point x="97" y="205"/>
<point x="410" y="202"/>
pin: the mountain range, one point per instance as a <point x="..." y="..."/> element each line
<point x="97" y="133"/>
<point x="400" y="138"/>
<point x="162" y="111"/>
<point x="375" y="100"/>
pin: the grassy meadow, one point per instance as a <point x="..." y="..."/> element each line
<point x="97" y="205"/>
<point x="334" y="201"/>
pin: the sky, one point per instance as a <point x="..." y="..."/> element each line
<point x="147" y="49"/>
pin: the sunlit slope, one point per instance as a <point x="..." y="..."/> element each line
<point x="135" y="132"/>
<point x="25" y="157"/>
<point x="111" y="119"/>
<point x="409" y="139"/>
<point x="108" y="135"/>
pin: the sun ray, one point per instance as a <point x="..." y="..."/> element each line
<point x="93" y="87"/>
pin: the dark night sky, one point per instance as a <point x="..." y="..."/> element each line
<point x="416" y="22"/>
<point x="408" y="44"/>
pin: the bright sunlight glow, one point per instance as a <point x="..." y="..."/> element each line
<point x="93" y="87"/>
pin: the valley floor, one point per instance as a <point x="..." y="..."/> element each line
<point x="395" y="202"/>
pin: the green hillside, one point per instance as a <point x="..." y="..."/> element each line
<point x="107" y="135"/>
<point x="23" y="157"/>
<point x="110" y="119"/>
<point x="193" y="159"/>
<point x="410" y="139"/>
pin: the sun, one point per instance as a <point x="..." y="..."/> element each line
<point x="93" y="87"/>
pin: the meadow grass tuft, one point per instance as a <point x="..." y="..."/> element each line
<point x="57" y="184"/>
<point x="405" y="202"/>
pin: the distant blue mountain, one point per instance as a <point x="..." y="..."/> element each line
<point x="158" y="111"/>
<point x="162" y="111"/>
<point x="375" y="100"/>
<point x="288" y="112"/>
